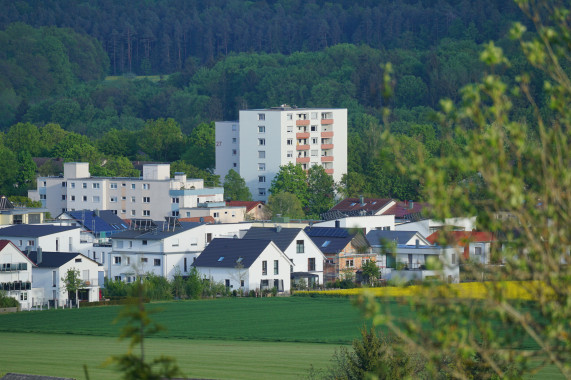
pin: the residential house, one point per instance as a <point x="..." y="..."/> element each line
<point x="14" y="214"/>
<point x="475" y="245"/>
<point x="359" y="207"/>
<point x="46" y="236"/>
<point x="366" y="223"/>
<point x="265" y="139"/>
<point x="346" y="251"/>
<point x="412" y="256"/>
<point x="428" y="226"/>
<point x="254" y="210"/>
<point x="51" y="268"/>
<point x="16" y="275"/>
<point x="246" y="264"/>
<point x="298" y="247"/>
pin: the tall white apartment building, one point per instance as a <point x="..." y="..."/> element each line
<point x="155" y="195"/>
<point x="265" y="139"/>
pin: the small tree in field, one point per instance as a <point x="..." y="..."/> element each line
<point x="370" y="272"/>
<point x="72" y="283"/>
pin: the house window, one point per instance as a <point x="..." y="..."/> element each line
<point x="477" y="250"/>
<point x="117" y="260"/>
<point x="185" y="265"/>
<point x="261" y="129"/>
<point x="175" y="213"/>
<point x="311" y="264"/>
<point x="113" y="185"/>
<point x="96" y="199"/>
<point x="119" y="244"/>
<point x="127" y="261"/>
<point x="117" y="278"/>
<point x="157" y="262"/>
<point x="144" y="242"/>
<point x="299" y="248"/>
<point x="261" y="178"/>
<point x="123" y="198"/>
<point x="146" y="186"/>
<point x="234" y="127"/>
<point x="43" y="196"/>
<point x="261" y="191"/>
<point x="133" y="213"/>
<point x="235" y="165"/>
<point x="261" y="141"/>
<point x="289" y="141"/>
<point x="63" y="197"/>
<point x="234" y="152"/>
<point x="314" y="140"/>
<point x="289" y="128"/>
<point x="144" y="259"/>
<point x="123" y="184"/>
<point x="264" y="268"/>
<point x="314" y="115"/>
<point x="261" y="166"/>
<point x="84" y="185"/>
<point x="146" y="212"/>
<point x="234" y="140"/>
<point x="146" y="199"/>
<point x="95" y="185"/>
<point x="44" y="184"/>
<point x="24" y="296"/>
<point x="276" y="267"/>
<point x="72" y="185"/>
<point x="314" y="128"/>
<point x="314" y="153"/>
<point x="453" y="257"/>
<point x="54" y="278"/>
<point x="349" y="263"/>
<point x="261" y="154"/>
<point x="241" y="283"/>
<point x="113" y="199"/>
<point x="216" y="214"/>
<point x="130" y="244"/>
<point x="289" y="116"/>
<point x="64" y="184"/>
<point x="123" y="211"/>
<point x="31" y="243"/>
<point x="132" y="186"/>
<point x="289" y="153"/>
<point x="77" y="260"/>
<point x="175" y="200"/>
<point x="261" y="116"/>
<point x="133" y="199"/>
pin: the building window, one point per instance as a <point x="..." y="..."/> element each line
<point x="144" y="242"/>
<point x="289" y="129"/>
<point x="261" y="129"/>
<point x="144" y="259"/>
<point x="63" y="197"/>
<point x="314" y="140"/>
<point x="44" y="184"/>
<point x="132" y="186"/>
<point x="96" y="199"/>
<point x="261" y="166"/>
<point x="31" y="243"/>
<point x="157" y="262"/>
<point x="261" y="178"/>
<point x="133" y="213"/>
<point x="314" y="153"/>
<point x="477" y="250"/>
<point x="234" y="152"/>
<point x="241" y="283"/>
<point x="43" y="196"/>
<point x="175" y="213"/>
<point x="130" y="244"/>
<point x="261" y="116"/>
<point x="72" y="185"/>
<point x="84" y="185"/>
<point x="276" y="267"/>
<point x="314" y="115"/>
<point x="123" y="211"/>
<point x="234" y="127"/>
<point x="289" y="141"/>
<point x="311" y="264"/>
<point x="146" y="186"/>
<point x="113" y="199"/>
<point x="261" y="154"/>
<point x="299" y="247"/>
<point x="117" y="260"/>
<point x="117" y="278"/>
<point x="113" y="185"/>
<point x="146" y="199"/>
<point x="123" y="198"/>
<point x="349" y="263"/>
<point x="314" y="128"/>
<point x="289" y="153"/>
<point x="95" y="185"/>
<point x="216" y="214"/>
<point x="235" y="165"/>
<point x="175" y="200"/>
<point x="234" y="140"/>
<point x="264" y="268"/>
<point x="262" y="191"/>
<point x="146" y="212"/>
<point x="289" y="116"/>
<point x="119" y="244"/>
<point x="453" y="257"/>
<point x="261" y="141"/>
<point x="133" y="199"/>
<point x="64" y="184"/>
<point x="123" y="184"/>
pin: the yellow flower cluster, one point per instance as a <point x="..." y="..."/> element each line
<point x="474" y="290"/>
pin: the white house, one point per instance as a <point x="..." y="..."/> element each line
<point x="163" y="247"/>
<point x="16" y="275"/>
<point x="379" y="238"/>
<point x="265" y="139"/>
<point x="426" y="227"/>
<point x="246" y="264"/>
<point x="366" y="223"/>
<point x="48" y="237"/>
<point x="52" y="267"/>
<point x="298" y="247"/>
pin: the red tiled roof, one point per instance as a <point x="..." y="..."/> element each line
<point x="354" y="204"/>
<point x="196" y="219"/>
<point x="3" y="243"/>
<point x="401" y="209"/>
<point x="250" y="205"/>
<point x="463" y="238"/>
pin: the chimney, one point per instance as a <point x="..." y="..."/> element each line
<point x="278" y="228"/>
<point x="362" y="200"/>
<point x="410" y="205"/>
<point x="337" y="224"/>
<point x="96" y="212"/>
<point x="40" y="255"/>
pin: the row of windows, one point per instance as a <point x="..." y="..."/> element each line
<point x="301" y="116"/>
<point x="118" y="259"/>
<point x="265" y="267"/>
<point x="96" y="185"/>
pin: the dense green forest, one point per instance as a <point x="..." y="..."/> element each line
<point x="214" y="58"/>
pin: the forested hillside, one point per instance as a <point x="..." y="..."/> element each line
<point x="214" y="58"/>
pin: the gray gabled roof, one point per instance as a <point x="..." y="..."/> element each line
<point x="35" y="230"/>
<point x="332" y="240"/>
<point x="282" y="237"/>
<point x="399" y="237"/>
<point x="228" y="253"/>
<point x="22" y="376"/>
<point x="161" y="231"/>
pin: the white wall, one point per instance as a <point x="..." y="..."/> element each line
<point x="371" y="222"/>
<point x="301" y="260"/>
<point x="11" y="255"/>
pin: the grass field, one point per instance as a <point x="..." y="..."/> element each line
<point x="233" y="338"/>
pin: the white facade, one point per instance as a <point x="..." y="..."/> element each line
<point x="303" y="253"/>
<point x="265" y="139"/>
<point x="154" y="195"/>
<point x="254" y="277"/>
<point x="62" y="241"/>
<point x="368" y="223"/>
<point x="16" y="276"/>
<point x="415" y="260"/>
<point x="51" y="280"/>
<point x="427" y="227"/>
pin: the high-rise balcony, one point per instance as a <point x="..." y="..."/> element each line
<point x="326" y="121"/>
<point x="302" y="160"/>
<point x="302" y="147"/>
<point x="302" y="135"/>
<point x="326" y="158"/>
<point x="329" y="171"/>
<point x="326" y="146"/>
<point x="302" y="122"/>
<point x="327" y="134"/>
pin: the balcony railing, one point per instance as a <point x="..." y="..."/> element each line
<point x="327" y="134"/>
<point x="302" y="147"/>
<point x="326" y="146"/>
<point x="302" y="160"/>
<point x="329" y="171"/>
<point x="302" y="135"/>
<point x="326" y="158"/>
<point x="326" y="121"/>
<point x="302" y="122"/>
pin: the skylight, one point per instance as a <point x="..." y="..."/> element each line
<point x="326" y="243"/>
<point x="353" y="204"/>
<point x="239" y="259"/>
<point x="221" y="258"/>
